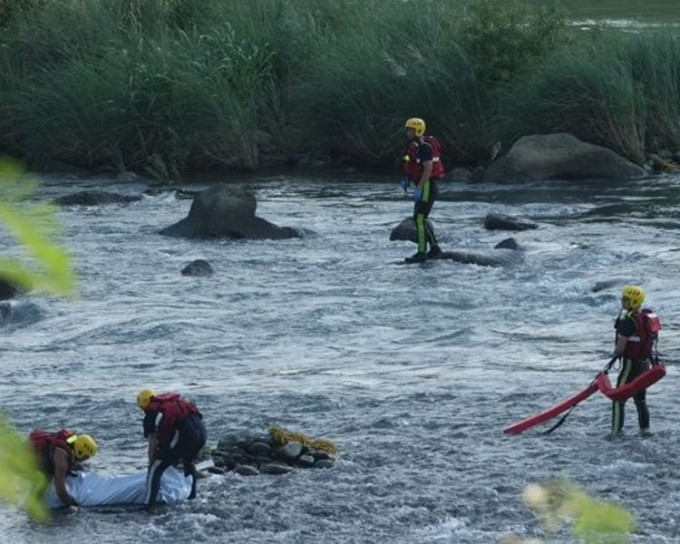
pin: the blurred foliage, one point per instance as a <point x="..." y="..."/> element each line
<point x="559" y="501"/>
<point x="33" y="225"/>
<point x="21" y="480"/>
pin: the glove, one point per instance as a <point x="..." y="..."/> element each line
<point x="418" y="194"/>
<point x="404" y="185"/>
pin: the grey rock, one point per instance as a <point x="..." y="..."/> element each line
<point x="507" y="243"/>
<point x="459" y="174"/>
<point x="504" y="222"/>
<point x="246" y="470"/>
<point x="259" y="448"/>
<point x="406" y="230"/>
<point x="199" y="267"/>
<point x="251" y="454"/>
<point x="320" y="454"/>
<point x="19" y="313"/>
<point x="275" y="468"/>
<point x="306" y="461"/>
<point x="495" y="259"/>
<point x="290" y="451"/>
<point x="559" y="156"/>
<point x="607" y="284"/>
<point x="8" y="290"/>
<point x="227" y="212"/>
<point x="95" y="198"/>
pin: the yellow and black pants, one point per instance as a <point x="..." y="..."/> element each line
<point x="630" y="370"/>
<point x="421" y="210"/>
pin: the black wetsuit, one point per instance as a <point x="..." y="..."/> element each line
<point x="630" y="369"/>
<point x="186" y="440"/>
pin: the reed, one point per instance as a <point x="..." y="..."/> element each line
<point x="655" y="64"/>
<point x="171" y="85"/>
<point x="619" y="90"/>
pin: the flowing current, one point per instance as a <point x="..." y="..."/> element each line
<point x="413" y="371"/>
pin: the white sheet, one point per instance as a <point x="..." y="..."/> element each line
<point x="92" y="489"/>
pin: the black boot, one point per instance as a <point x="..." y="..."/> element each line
<point x="435" y="251"/>
<point x="416" y="258"/>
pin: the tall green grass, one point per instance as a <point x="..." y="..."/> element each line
<point x="619" y="90"/>
<point x="655" y="66"/>
<point x="175" y="85"/>
<point x="590" y="95"/>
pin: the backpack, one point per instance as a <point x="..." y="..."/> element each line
<point x="651" y="325"/>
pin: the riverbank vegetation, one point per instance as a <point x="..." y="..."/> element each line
<point x="172" y="86"/>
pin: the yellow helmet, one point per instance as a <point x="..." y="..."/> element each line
<point x="144" y="398"/>
<point x="634" y="294"/>
<point x="417" y="124"/>
<point x="84" y="446"/>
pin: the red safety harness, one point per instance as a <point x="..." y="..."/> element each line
<point x="412" y="165"/>
<point x="44" y="442"/>
<point x="642" y="345"/>
<point x="174" y="409"/>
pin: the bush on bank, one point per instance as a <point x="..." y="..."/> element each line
<point x="175" y="85"/>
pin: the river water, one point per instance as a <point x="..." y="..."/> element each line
<point x="645" y="12"/>
<point x="413" y="371"/>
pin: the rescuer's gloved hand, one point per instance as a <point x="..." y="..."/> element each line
<point x="418" y="194"/>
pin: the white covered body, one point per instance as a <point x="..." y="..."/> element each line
<point x="93" y="489"/>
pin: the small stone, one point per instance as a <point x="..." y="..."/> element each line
<point x="259" y="448"/>
<point x="246" y="470"/>
<point x="199" y="267"/>
<point x="290" y="451"/>
<point x="306" y="461"/>
<point x="275" y="468"/>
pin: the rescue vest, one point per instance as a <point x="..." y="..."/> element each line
<point x="174" y="409"/>
<point x="44" y="442"/>
<point x="411" y="163"/>
<point x="641" y="346"/>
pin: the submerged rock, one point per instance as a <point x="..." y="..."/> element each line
<point x="495" y="258"/>
<point x="199" y="267"/>
<point x="95" y="198"/>
<point x="8" y="290"/>
<point x="507" y="243"/>
<point x="495" y="221"/>
<point x="19" y="313"/>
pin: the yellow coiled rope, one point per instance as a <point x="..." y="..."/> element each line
<point x="282" y="436"/>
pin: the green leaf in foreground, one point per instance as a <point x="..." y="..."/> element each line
<point x="20" y="478"/>
<point x="593" y="521"/>
<point x="34" y="226"/>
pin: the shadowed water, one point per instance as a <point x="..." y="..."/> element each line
<point x="412" y="370"/>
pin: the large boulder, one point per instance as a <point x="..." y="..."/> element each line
<point x="227" y="212"/>
<point x="558" y="156"/>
